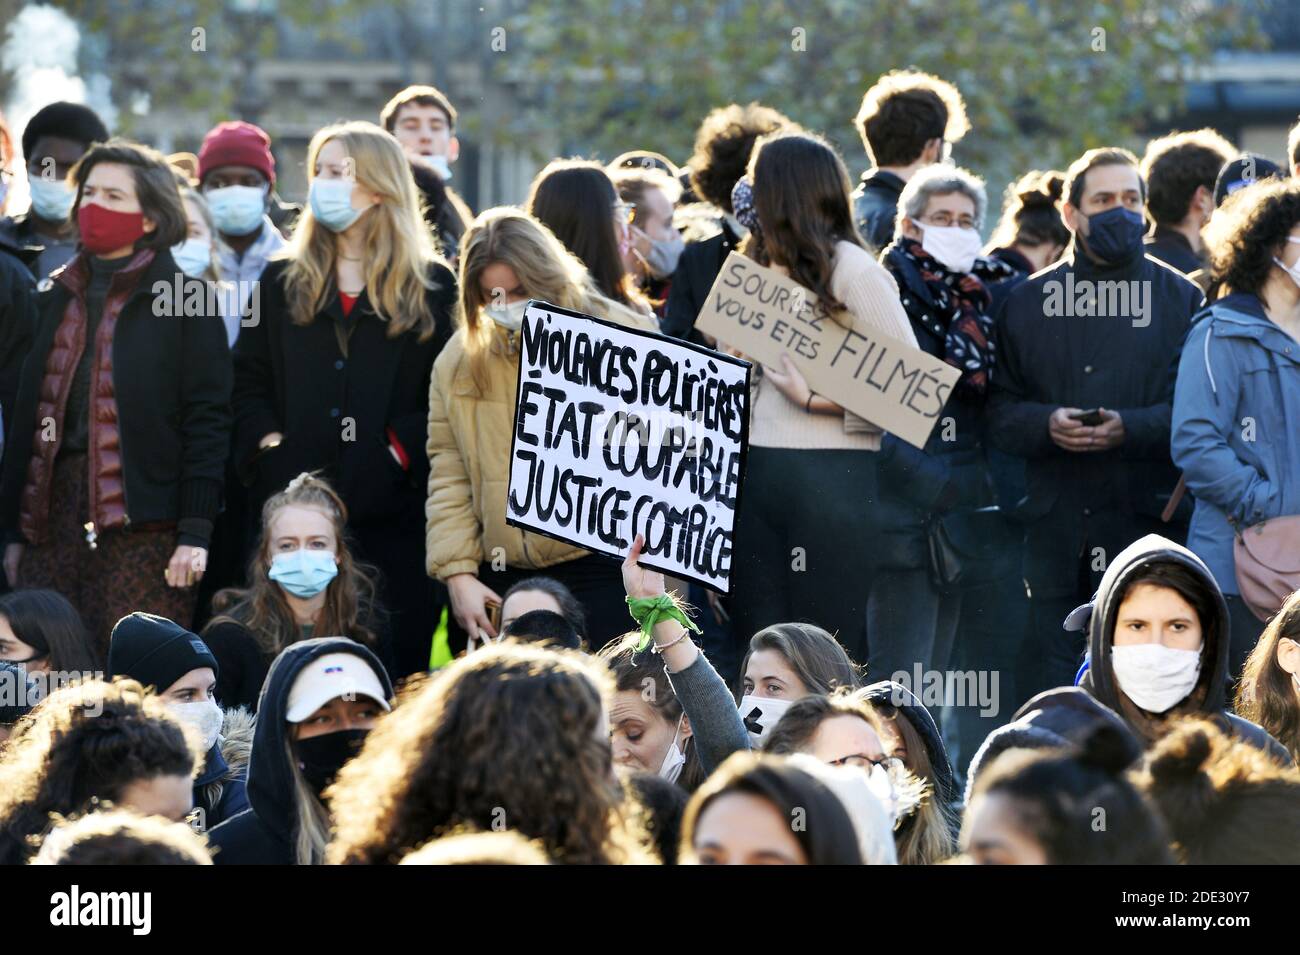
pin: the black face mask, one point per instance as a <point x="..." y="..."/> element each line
<point x="321" y="757"/>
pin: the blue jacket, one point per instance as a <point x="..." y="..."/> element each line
<point x="1236" y="426"/>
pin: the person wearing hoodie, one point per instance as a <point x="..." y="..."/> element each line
<point x="1054" y="719"/>
<point x="320" y="699"/>
<point x="182" y="670"/>
<point x="910" y="734"/>
<point x="1236" y="411"/>
<point x="1157" y="632"/>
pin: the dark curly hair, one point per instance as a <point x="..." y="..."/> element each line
<point x="1175" y="166"/>
<point x="82" y="745"/>
<point x="1225" y="801"/>
<point x="722" y="147"/>
<point x="119" y="837"/>
<point x="1057" y="797"/>
<point x="1248" y="230"/>
<point x="510" y="736"/>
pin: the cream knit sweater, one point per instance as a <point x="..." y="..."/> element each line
<point x="870" y="295"/>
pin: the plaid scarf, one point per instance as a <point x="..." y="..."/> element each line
<point x="951" y="306"/>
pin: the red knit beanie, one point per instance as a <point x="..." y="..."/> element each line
<point x="237" y="144"/>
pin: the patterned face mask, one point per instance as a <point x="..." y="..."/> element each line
<point x="742" y="203"/>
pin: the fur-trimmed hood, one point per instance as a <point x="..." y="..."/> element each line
<point x="236" y="740"/>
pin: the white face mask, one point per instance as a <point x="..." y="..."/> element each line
<point x="510" y="315"/>
<point x="205" y="716"/>
<point x="439" y="165"/>
<point x="1155" y="677"/>
<point x="671" y="766"/>
<point x="955" y="247"/>
<point x="760" y="714"/>
<point x="1293" y="271"/>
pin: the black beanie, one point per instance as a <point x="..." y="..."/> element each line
<point x="72" y="121"/>
<point x="155" y="651"/>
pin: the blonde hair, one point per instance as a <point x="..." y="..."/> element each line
<point x="191" y="196"/>
<point x="311" y="818"/>
<point x="399" y="249"/>
<point x="545" y="268"/>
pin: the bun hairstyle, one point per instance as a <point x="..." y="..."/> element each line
<point x="1081" y="807"/>
<point x="1224" y="801"/>
<point x="1030" y="212"/>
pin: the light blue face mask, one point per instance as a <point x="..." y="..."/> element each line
<point x="52" y="199"/>
<point x="194" y="256"/>
<point x="304" y="573"/>
<point x="237" y="210"/>
<point x="331" y="203"/>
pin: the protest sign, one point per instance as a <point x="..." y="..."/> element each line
<point x="894" y="385"/>
<point x="620" y="432"/>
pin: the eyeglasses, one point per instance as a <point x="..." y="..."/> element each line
<point x="624" y="212"/>
<point x="890" y="764"/>
<point x="946" y="219"/>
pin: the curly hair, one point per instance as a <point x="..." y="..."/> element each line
<point x="82" y="745"/>
<point x="119" y="837"/>
<point x="262" y="609"/>
<point x="1175" y="166"/>
<point x="1248" y="230"/>
<point x="904" y="110"/>
<point x="510" y="736"/>
<point x="1225" y="801"/>
<point x="722" y="147"/>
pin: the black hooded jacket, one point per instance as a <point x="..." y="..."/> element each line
<point x="264" y="834"/>
<point x="1098" y="617"/>
<point x="911" y="708"/>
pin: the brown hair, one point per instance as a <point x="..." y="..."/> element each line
<point x="416" y="95"/>
<point x="1175" y="166"/>
<point x="927" y="836"/>
<point x="1031" y="215"/>
<point x="1267" y="693"/>
<point x="814" y="655"/>
<point x="1076" y="176"/>
<point x="85" y="744"/>
<point x="1225" y="801"/>
<point x="794" y="732"/>
<point x="119" y="837"/>
<point x="262" y="608"/>
<point x="479" y="848"/>
<point x="723" y="145"/>
<point x="1248" y="230"/>
<point x="801" y="197"/>
<point x="906" y="109"/>
<point x="155" y="188"/>
<point x="511" y="734"/>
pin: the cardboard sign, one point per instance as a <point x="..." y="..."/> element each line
<point x="894" y="385"/>
<point x="620" y="432"/>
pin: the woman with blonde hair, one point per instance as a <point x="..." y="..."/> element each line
<point x="332" y="366"/>
<point x="303" y="582"/>
<point x="507" y="257"/>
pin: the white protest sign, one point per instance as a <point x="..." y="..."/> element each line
<point x="620" y="432"/>
<point x="894" y="385"/>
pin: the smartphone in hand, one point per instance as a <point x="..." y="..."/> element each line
<point x="1091" y="418"/>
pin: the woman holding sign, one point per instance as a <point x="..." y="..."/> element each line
<point x="507" y="257"/>
<point x="332" y="367"/>
<point x="805" y="521"/>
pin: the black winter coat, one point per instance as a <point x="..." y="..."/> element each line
<point x="335" y="410"/>
<point x="1048" y="360"/>
<point x="264" y="834"/>
<point x="875" y="206"/>
<point x="17" y="325"/>
<point x="171" y="382"/>
<point x="696" y="272"/>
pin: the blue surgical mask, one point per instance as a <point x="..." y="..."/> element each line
<point x="1115" y="236"/>
<point x="304" y="573"/>
<point x="194" y="256"/>
<point x="237" y="210"/>
<point x="331" y="203"/>
<point x="52" y="199"/>
<point x="440" y="165"/>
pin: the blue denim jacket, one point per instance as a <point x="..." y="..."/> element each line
<point x="1236" y="426"/>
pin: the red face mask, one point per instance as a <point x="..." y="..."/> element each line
<point x="104" y="230"/>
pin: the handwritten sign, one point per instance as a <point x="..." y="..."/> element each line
<point x="620" y="432"/>
<point x="894" y="385"/>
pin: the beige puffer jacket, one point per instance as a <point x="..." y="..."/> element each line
<point x="469" y="461"/>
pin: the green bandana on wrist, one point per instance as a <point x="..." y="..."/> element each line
<point x="648" y="611"/>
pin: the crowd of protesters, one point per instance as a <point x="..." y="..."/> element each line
<point x="262" y="602"/>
